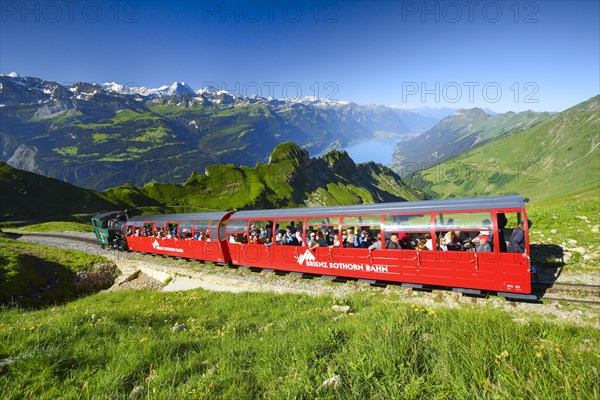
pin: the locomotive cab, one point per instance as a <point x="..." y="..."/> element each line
<point x="108" y="227"/>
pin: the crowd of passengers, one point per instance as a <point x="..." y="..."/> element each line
<point x="446" y="241"/>
<point x="351" y="238"/>
<point x="170" y="233"/>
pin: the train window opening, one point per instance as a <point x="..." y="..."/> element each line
<point x="507" y="223"/>
<point x="329" y="232"/>
<point x="288" y="228"/>
<point x="148" y="229"/>
<point x="411" y="240"/>
<point x="259" y="231"/>
<point x="172" y="230"/>
<point x="323" y="221"/>
<point x="360" y="235"/>
<point x="236" y="230"/>
<point x="201" y="229"/>
<point x="136" y="228"/>
<point x="461" y="230"/>
<point x="185" y="230"/>
<point x="407" y="222"/>
<point x="159" y="230"/>
<point x="408" y="232"/>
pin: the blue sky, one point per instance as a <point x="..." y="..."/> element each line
<point x="502" y="55"/>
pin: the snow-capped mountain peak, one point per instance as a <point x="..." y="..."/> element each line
<point x="175" y="88"/>
<point x="166" y="90"/>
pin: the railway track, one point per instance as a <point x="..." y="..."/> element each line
<point x="566" y="287"/>
<point x="15" y="234"/>
<point x="578" y="292"/>
<point x="543" y="290"/>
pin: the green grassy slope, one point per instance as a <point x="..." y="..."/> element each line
<point x="26" y="195"/>
<point x="261" y="345"/>
<point x="556" y="159"/>
<point x="458" y="133"/>
<point x="290" y="178"/>
<point x="33" y="275"/>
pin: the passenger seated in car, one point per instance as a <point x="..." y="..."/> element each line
<point x="442" y="244"/>
<point x="393" y="243"/>
<point x="289" y="238"/>
<point x="452" y="243"/>
<point x="299" y="238"/>
<point x="336" y="242"/>
<point x="377" y="245"/>
<point x="471" y="244"/>
<point x="312" y="241"/>
<point x="405" y="241"/>
<point x="321" y="241"/>
<point x="422" y="245"/>
<point x="351" y="240"/>
<point x="483" y="245"/>
<point x="363" y="240"/>
<point x="516" y="242"/>
<point x="428" y="241"/>
<point x="331" y="236"/>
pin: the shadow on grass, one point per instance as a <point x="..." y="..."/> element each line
<point x="549" y="262"/>
<point x="37" y="283"/>
<point x="32" y="282"/>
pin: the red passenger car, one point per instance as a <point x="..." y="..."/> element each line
<point x="196" y="236"/>
<point x="436" y="242"/>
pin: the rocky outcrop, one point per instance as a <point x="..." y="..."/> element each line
<point x="24" y="158"/>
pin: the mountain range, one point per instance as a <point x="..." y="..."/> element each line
<point x="104" y="135"/>
<point x="557" y="158"/>
<point x="457" y="133"/>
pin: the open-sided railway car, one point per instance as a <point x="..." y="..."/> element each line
<point x="197" y="236"/>
<point x="250" y="238"/>
<point x="497" y="270"/>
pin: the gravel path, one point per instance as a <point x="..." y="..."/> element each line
<point x="150" y="272"/>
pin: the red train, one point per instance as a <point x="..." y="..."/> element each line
<point x="439" y="243"/>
